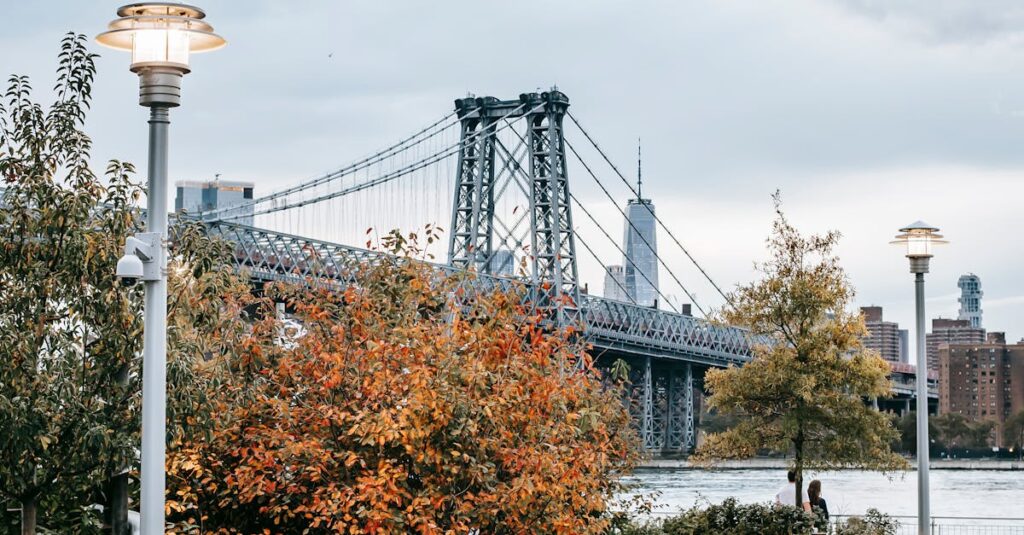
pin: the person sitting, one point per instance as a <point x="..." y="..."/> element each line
<point x="815" y="503"/>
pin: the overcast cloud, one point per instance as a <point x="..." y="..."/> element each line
<point x="868" y="114"/>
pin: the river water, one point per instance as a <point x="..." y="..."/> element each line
<point x="959" y="493"/>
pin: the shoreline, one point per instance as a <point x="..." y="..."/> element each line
<point x="780" y="464"/>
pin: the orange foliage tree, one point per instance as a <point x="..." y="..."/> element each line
<point x="402" y="404"/>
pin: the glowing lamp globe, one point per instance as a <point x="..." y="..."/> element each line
<point x="161" y="37"/>
<point x="919" y="240"/>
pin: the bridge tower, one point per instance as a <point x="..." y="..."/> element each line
<point x="542" y="146"/>
<point x="523" y="140"/>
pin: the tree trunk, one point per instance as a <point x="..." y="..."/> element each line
<point x="798" y="449"/>
<point x="117" y="505"/>
<point x="117" y="492"/>
<point x="28" y="516"/>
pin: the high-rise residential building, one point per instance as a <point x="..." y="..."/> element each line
<point x="883" y="336"/>
<point x="982" y="381"/>
<point x="949" y="331"/>
<point x="199" y="197"/>
<point x="615" y="284"/>
<point x="970" y="299"/>
<point x="503" y="263"/>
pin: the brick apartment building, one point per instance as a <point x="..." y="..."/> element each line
<point x="982" y="381"/>
<point x="950" y="331"/>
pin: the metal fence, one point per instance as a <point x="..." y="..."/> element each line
<point x="948" y="525"/>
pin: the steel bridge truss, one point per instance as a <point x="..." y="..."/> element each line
<point x="536" y="163"/>
<point x="661" y="404"/>
<point x="609" y="325"/>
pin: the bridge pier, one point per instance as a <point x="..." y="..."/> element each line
<point x="647" y="432"/>
<point x="661" y="402"/>
<point x="680" y="433"/>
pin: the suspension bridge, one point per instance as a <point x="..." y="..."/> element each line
<point x="497" y="172"/>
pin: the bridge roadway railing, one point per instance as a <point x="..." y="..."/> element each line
<point x="609" y="325"/>
<point x="276" y="256"/>
<point x="624" y="327"/>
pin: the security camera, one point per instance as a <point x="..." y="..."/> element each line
<point x="140" y="260"/>
<point x="130" y="269"/>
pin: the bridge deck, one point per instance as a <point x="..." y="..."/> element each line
<point x="610" y="325"/>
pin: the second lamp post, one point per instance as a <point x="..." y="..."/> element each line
<point x="919" y="238"/>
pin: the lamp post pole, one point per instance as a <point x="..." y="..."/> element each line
<point x="154" y="357"/>
<point x="919" y="238"/>
<point x="923" y="505"/>
<point x="160" y="36"/>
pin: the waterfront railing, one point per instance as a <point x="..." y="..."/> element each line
<point x="948" y="525"/>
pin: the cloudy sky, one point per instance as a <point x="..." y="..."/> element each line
<point x="867" y="114"/>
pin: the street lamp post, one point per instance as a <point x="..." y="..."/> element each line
<point x="919" y="238"/>
<point x="160" y="37"/>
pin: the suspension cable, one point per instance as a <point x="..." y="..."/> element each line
<point x="387" y="177"/>
<point x="656" y="218"/>
<point x="347" y="170"/>
<point x="383" y="179"/>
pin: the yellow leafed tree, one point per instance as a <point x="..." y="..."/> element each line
<point x="806" y="392"/>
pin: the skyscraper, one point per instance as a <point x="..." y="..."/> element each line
<point x="197" y="197"/>
<point x="641" y="246"/>
<point x="615" y="284"/>
<point x="970" y="299"/>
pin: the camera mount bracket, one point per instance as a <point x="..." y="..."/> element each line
<point x="147" y="246"/>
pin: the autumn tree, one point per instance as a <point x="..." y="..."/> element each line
<point x="804" y="391"/>
<point x="404" y="402"/>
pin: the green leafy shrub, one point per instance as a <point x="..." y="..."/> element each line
<point x="872" y="523"/>
<point x="728" y="518"/>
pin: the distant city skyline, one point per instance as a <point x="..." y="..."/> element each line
<point x="866" y="115"/>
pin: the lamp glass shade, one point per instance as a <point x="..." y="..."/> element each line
<point x="160" y="46"/>
<point x="919" y="245"/>
<point x="160" y="34"/>
<point x="919" y="239"/>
